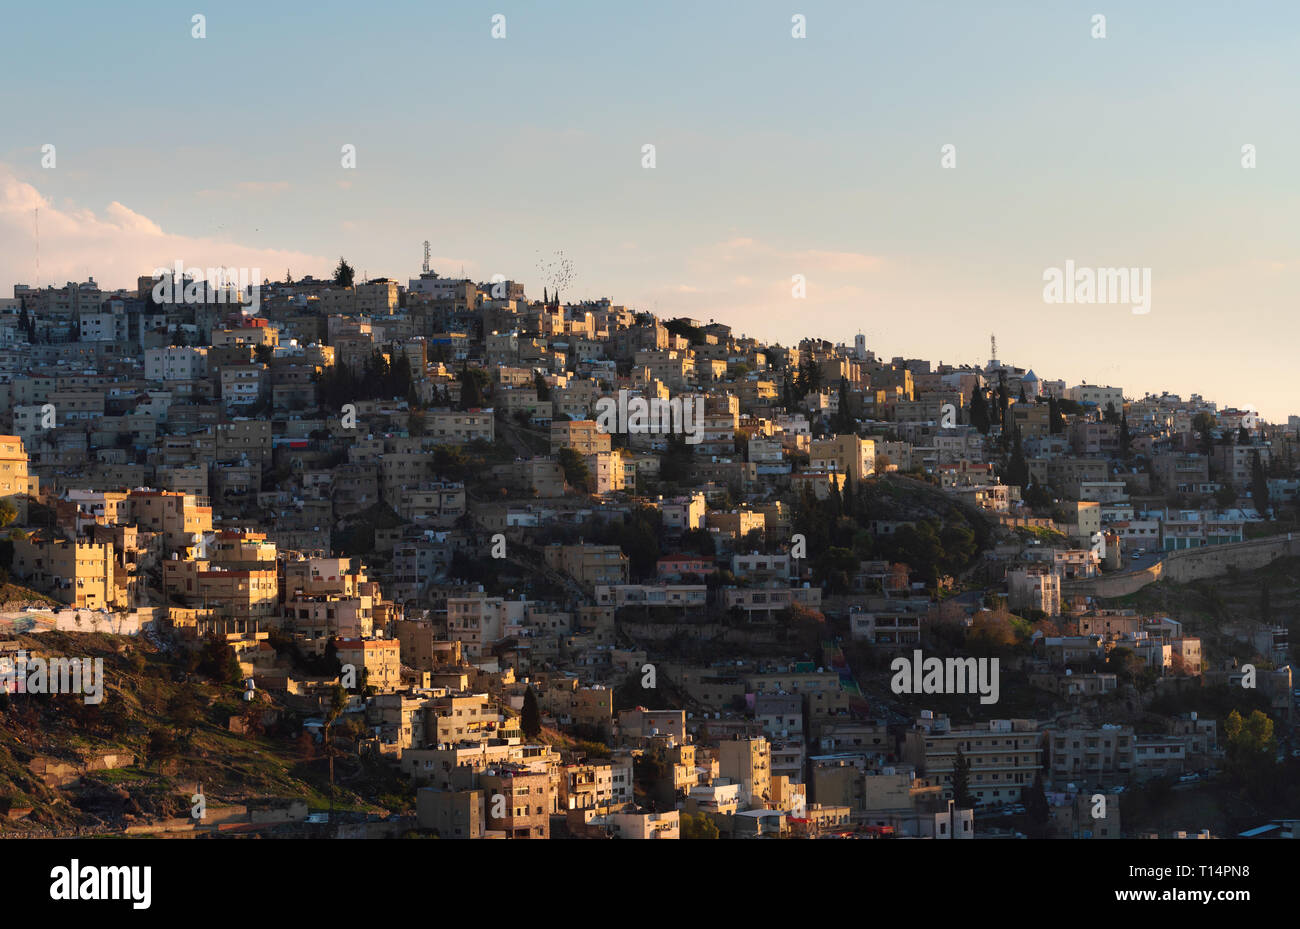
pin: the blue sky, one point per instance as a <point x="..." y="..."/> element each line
<point x="775" y="157"/>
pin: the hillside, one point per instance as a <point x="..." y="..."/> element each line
<point x="1206" y="606"/>
<point x="66" y="765"/>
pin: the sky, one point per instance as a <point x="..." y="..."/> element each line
<point x="774" y="156"/>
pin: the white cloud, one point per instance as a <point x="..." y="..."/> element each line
<point x="116" y="246"/>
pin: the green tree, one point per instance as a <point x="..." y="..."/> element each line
<point x="1003" y="403"/>
<point x="1055" y="418"/>
<point x="1018" y="468"/>
<point x="8" y="512"/>
<point x="344" y="273"/>
<point x="1250" y="738"/>
<point x="1204" y="424"/>
<point x="576" y="472"/>
<point x="1124" y="664"/>
<point x="472" y="383"/>
<point x="218" y="661"/>
<point x="835" y="568"/>
<point x="184" y="711"/>
<point x="338" y="703"/>
<point x="700" y="541"/>
<point x="698" y="826"/>
<point x="675" y="465"/>
<point x="1258" y="485"/>
<point x="979" y="411"/>
<point x="1037" y="812"/>
<point x="844" y="423"/>
<point x="531" y="720"/>
<point x="161" y="746"/>
<point x="961" y="782"/>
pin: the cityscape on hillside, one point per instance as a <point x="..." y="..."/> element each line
<point x="357" y="558"/>
<point x="581" y="422"/>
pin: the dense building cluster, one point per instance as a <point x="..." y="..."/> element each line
<point x="582" y="571"/>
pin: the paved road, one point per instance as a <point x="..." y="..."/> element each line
<point x="1141" y="562"/>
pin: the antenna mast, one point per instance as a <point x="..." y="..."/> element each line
<point x="426" y="256"/>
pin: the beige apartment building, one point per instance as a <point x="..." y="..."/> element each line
<point x="453" y="814"/>
<point x="181" y="518"/>
<point x="249" y="594"/>
<point x="821" y="484"/>
<point x="748" y="762"/>
<point x="583" y="436"/>
<point x="1034" y="589"/>
<point x="13" y="474"/>
<point x="1084" y="817"/>
<point x="683" y="513"/>
<point x="379" y="659"/>
<point x="241" y="549"/>
<point x="641" y="723"/>
<point x="589" y="565"/>
<point x="590" y="786"/>
<point x="437" y="504"/>
<point x="462" y="718"/>
<point x="478" y="621"/>
<point x="80" y="574"/>
<point x="1101" y="756"/>
<point x="455" y="427"/>
<point x="522" y="810"/>
<point x="737" y="523"/>
<point x="766" y="603"/>
<point x="1005" y="755"/>
<point x="317" y="577"/>
<point x="319" y="619"/>
<point x="607" y="473"/>
<point x="848" y="454"/>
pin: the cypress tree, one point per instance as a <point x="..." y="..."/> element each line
<point x="1258" y="484"/>
<point x="961" y="782"/>
<point x="531" y="721"/>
